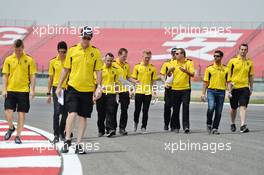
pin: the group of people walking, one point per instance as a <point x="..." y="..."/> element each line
<point x="80" y="77"/>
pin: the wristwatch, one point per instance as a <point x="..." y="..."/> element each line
<point x="48" y="93"/>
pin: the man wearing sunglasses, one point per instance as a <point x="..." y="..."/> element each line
<point x="216" y="80"/>
<point x="183" y="70"/>
<point x="242" y="77"/>
<point x="55" y="68"/>
<point x="81" y="62"/>
<point x="167" y="94"/>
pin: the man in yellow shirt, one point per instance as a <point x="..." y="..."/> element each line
<point x="106" y="105"/>
<point x="81" y="62"/>
<point x="167" y="94"/>
<point x="183" y="70"/>
<point x="242" y="78"/>
<point x="146" y="74"/>
<point x="121" y="64"/>
<point x="19" y="71"/>
<point x="55" y="68"/>
<point x="216" y="79"/>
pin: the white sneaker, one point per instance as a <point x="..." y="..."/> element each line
<point x="143" y="130"/>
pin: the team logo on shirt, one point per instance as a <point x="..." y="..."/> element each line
<point x="92" y="55"/>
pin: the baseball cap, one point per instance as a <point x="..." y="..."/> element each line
<point x="173" y="49"/>
<point x="87" y="31"/>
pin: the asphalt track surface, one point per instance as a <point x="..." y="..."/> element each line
<point x="159" y="152"/>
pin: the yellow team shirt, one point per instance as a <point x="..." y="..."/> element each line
<point x="82" y="64"/>
<point x="19" y="72"/>
<point x="110" y="78"/>
<point x="146" y="75"/>
<point x="182" y="81"/>
<point x="216" y="76"/>
<point x="124" y="70"/>
<point x="55" y="68"/>
<point x="240" y="70"/>
<point x="164" y="69"/>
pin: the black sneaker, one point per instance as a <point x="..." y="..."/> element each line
<point x="79" y="149"/>
<point x="175" y="130"/>
<point x="17" y="140"/>
<point x="209" y="129"/>
<point x="135" y="127"/>
<point x="244" y="129"/>
<point x="9" y="133"/>
<point x="122" y="132"/>
<point x="111" y="133"/>
<point x="66" y="145"/>
<point x="55" y="140"/>
<point x="166" y="127"/>
<point x="233" y="127"/>
<point x="215" y="132"/>
<point x="187" y="131"/>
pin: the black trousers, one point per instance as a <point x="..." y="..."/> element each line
<point x="124" y="101"/>
<point x="142" y="99"/>
<point x="167" y="106"/>
<point x="59" y="124"/>
<point x="106" y="107"/>
<point x="180" y="97"/>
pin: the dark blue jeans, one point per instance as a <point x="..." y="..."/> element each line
<point x="216" y="100"/>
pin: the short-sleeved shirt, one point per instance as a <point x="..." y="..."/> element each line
<point x="240" y="70"/>
<point x="217" y="76"/>
<point x="110" y="78"/>
<point x="19" y="72"/>
<point x="124" y="70"/>
<point x="181" y="80"/>
<point x="165" y="67"/>
<point x="82" y="64"/>
<point x="146" y="75"/>
<point x="55" y="69"/>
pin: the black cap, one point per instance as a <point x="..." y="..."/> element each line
<point x="173" y="49"/>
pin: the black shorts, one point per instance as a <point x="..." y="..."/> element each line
<point x="79" y="102"/>
<point x="240" y="97"/>
<point x="17" y="101"/>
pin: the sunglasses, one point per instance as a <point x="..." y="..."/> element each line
<point x="87" y="38"/>
<point x="217" y="56"/>
<point x="178" y="53"/>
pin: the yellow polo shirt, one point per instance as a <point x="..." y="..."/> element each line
<point x="124" y="70"/>
<point x="165" y="67"/>
<point x="240" y="70"/>
<point x="216" y="76"/>
<point x="82" y="64"/>
<point x="110" y="78"/>
<point x="146" y="75"/>
<point x="19" y="72"/>
<point x="182" y="81"/>
<point x="55" y="68"/>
